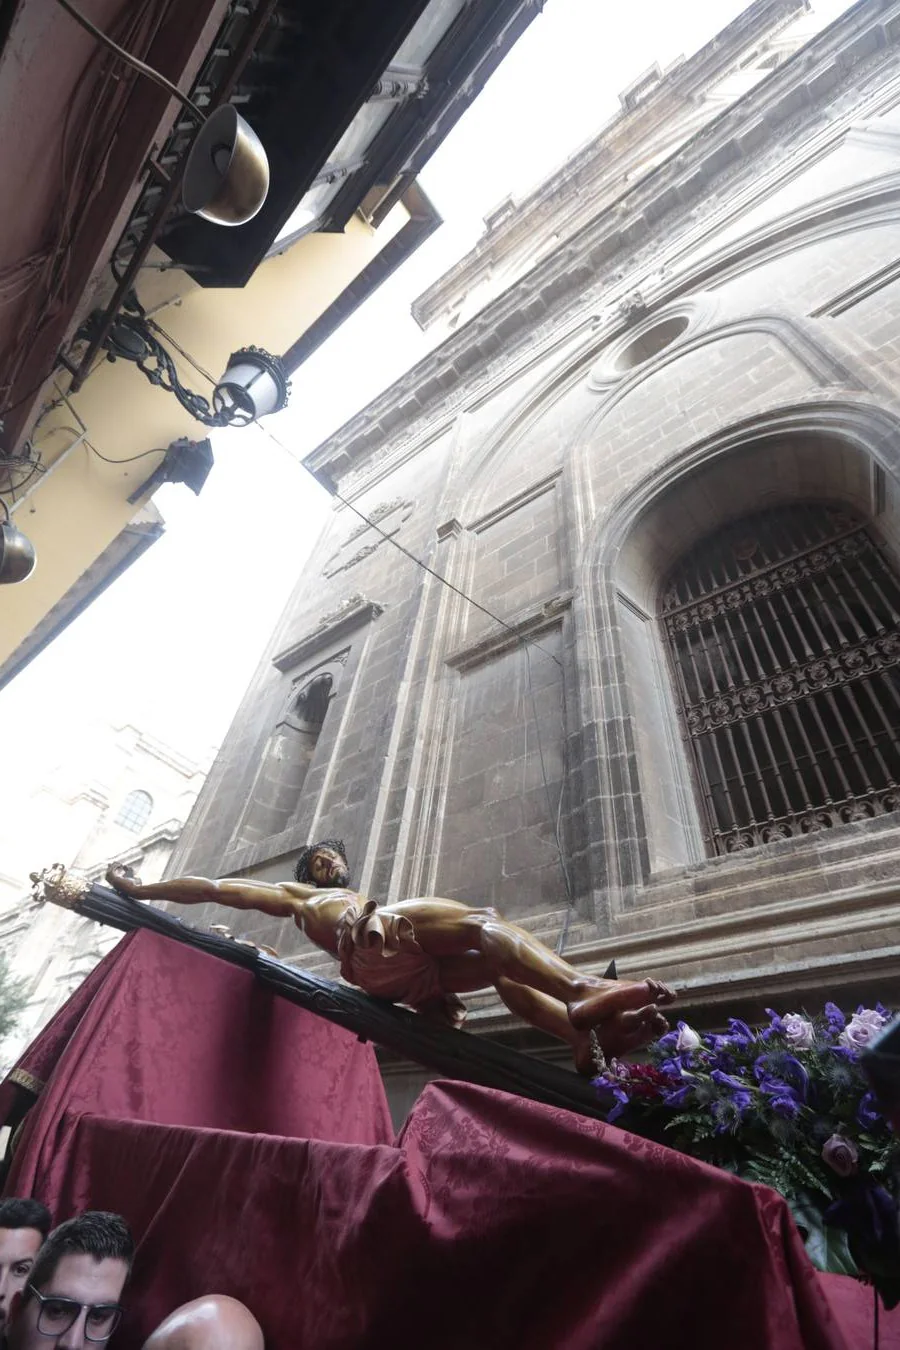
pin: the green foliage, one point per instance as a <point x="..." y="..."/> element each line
<point x="13" y="999"/>
<point x="827" y="1247"/>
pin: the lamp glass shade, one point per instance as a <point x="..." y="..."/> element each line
<point x="17" y="555"/>
<point x="226" y="177"/>
<point x="253" y="386"/>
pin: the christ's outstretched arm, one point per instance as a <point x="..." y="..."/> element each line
<point x="284" y="902"/>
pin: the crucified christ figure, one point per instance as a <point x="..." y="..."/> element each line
<point x="425" y="953"/>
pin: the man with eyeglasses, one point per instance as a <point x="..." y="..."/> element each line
<point x="72" y="1298"/>
<point x="24" y="1224"/>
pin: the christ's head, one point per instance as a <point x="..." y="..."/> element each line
<point x="324" y="865"/>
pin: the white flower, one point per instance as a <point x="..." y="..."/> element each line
<point x="798" y="1032"/>
<point x="687" y="1040"/>
<point x="862" y="1028"/>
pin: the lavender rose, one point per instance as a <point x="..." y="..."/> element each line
<point x="862" y="1028"/>
<point x="841" y="1156"/>
<point x="798" y="1032"/>
<point x="687" y="1039"/>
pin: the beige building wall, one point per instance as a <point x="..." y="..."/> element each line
<point x="80" y="505"/>
<point x="111" y="792"/>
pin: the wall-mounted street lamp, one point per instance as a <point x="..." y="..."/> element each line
<point x="254" y="384"/>
<point x="226" y="180"/>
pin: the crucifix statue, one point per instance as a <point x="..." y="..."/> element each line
<point x="424" y="953"/>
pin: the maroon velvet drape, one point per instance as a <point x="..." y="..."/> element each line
<point x="159" y="1032"/>
<point x="492" y="1223"/>
<point x="247" y="1144"/>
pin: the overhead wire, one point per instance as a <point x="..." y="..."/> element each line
<point x="130" y="60"/>
<point x="555" y="816"/>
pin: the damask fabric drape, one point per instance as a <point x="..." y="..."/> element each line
<point x="247" y="1144"/>
<point x="159" y="1032"/>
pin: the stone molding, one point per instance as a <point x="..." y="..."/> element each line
<point x="671" y="92"/>
<point x="399" y="508"/>
<point x="602" y="705"/>
<point x="356" y="610"/>
<point x="513" y="504"/>
<point x="520" y="628"/>
<point x="780" y="110"/>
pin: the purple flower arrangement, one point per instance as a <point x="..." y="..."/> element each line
<point x="786" y="1105"/>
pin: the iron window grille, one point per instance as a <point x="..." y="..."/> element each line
<point x="784" y="633"/>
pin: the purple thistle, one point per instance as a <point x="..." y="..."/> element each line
<point x="729" y="1112"/>
<point x="834" y="1017"/>
<point x="784" y="1106"/>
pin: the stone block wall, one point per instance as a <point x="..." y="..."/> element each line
<point x="736" y="348"/>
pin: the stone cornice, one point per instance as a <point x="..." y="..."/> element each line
<point x="355" y="611"/>
<point x="522" y="628"/>
<point x="788" y="102"/>
<point x="630" y="129"/>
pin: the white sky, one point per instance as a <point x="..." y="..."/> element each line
<point x="195" y="612"/>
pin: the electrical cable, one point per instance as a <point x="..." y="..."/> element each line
<point x="555" y="817"/>
<point x="131" y="458"/>
<point x="132" y="61"/>
<point x="151" y="323"/>
<point x="11" y="407"/>
<point x="93" y="116"/>
<point x="412" y="556"/>
<point x="371" y="523"/>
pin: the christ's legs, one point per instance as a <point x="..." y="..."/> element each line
<point x="445" y="928"/>
<point x="621" y="1034"/>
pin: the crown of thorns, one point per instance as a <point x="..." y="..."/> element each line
<point x="301" y="867"/>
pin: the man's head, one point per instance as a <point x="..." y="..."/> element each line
<point x="213" y="1323"/>
<point x="71" y="1298"/>
<point x="324" y="865"/>
<point x="23" y="1226"/>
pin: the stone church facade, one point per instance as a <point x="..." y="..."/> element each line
<point x="655" y="714"/>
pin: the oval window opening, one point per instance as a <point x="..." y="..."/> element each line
<point x="654" y="340"/>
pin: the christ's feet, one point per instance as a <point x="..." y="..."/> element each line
<point x="609" y="998"/>
<point x="622" y="1034"/>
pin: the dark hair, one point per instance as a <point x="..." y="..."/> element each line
<point x="94" y="1233"/>
<point x="25" y="1213"/>
<point x="301" y="867"/>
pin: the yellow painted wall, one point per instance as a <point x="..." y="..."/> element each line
<point x="81" y="506"/>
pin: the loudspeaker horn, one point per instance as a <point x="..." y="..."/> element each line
<point x="17" y="555"/>
<point x="226" y="177"/>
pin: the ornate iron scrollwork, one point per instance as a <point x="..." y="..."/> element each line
<point x="785" y="633"/>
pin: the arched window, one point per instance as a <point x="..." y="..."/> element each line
<point x="286" y="762"/>
<point x="135" y="811"/>
<point x="784" y="632"/>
